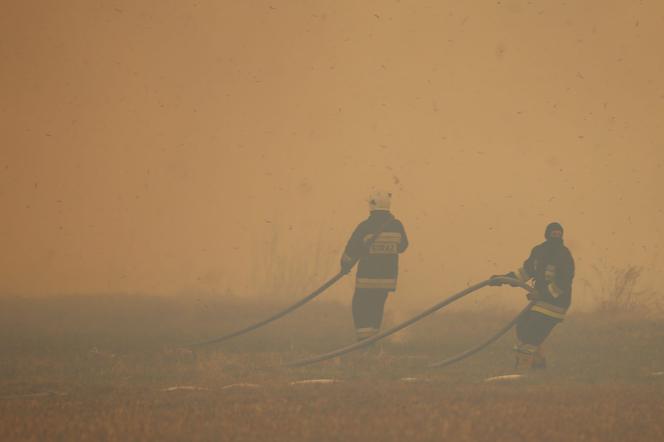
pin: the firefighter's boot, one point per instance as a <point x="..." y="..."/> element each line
<point x="363" y="333"/>
<point x="524" y="357"/>
<point x="539" y="360"/>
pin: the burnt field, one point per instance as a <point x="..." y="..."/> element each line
<point x="115" y="368"/>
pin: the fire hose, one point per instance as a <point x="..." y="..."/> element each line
<point x="274" y="317"/>
<point x="463" y="355"/>
<point x="329" y="283"/>
<point x="422" y="315"/>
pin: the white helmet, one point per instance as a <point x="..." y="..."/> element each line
<point x="380" y="201"/>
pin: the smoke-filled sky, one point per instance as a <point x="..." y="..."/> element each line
<point x="181" y="146"/>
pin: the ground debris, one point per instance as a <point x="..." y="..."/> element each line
<point x="505" y="377"/>
<point x="411" y="379"/>
<point x="315" y="381"/>
<point x="186" y="388"/>
<point x="34" y="395"/>
<point x="240" y="385"/>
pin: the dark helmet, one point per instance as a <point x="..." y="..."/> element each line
<point x="553" y="230"/>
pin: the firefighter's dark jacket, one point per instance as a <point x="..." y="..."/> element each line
<point x="551" y="265"/>
<point x="378" y="255"/>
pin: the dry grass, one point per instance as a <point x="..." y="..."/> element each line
<point x="617" y="291"/>
<point x="76" y="368"/>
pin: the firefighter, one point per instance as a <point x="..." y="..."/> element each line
<point x="551" y="265"/>
<point x="376" y="243"/>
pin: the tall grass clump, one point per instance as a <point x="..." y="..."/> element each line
<point x="617" y="290"/>
<point x="284" y="270"/>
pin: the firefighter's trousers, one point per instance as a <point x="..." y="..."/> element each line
<point x="534" y="327"/>
<point x="531" y="331"/>
<point x="368" y="307"/>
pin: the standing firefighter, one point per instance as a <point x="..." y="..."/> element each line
<point x="376" y="244"/>
<point x="551" y="265"/>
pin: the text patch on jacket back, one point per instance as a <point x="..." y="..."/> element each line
<point x="386" y="243"/>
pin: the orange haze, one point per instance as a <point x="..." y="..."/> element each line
<point x="171" y="146"/>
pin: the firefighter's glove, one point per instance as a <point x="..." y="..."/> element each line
<point x="494" y="282"/>
<point x="499" y="283"/>
<point x="513" y="276"/>
<point x="347" y="264"/>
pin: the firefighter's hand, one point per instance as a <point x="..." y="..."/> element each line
<point x="533" y="296"/>
<point x="494" y="282"/>
<point x="346" y="264"/>
<point x="499" y="283"/>
<point x="513" y="276"/>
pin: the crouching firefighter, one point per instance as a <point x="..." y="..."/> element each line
<point x="551" y="266"/>
<point x="376" y="243"/>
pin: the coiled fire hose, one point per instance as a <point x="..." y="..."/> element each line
<point x="425" y="313"/>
